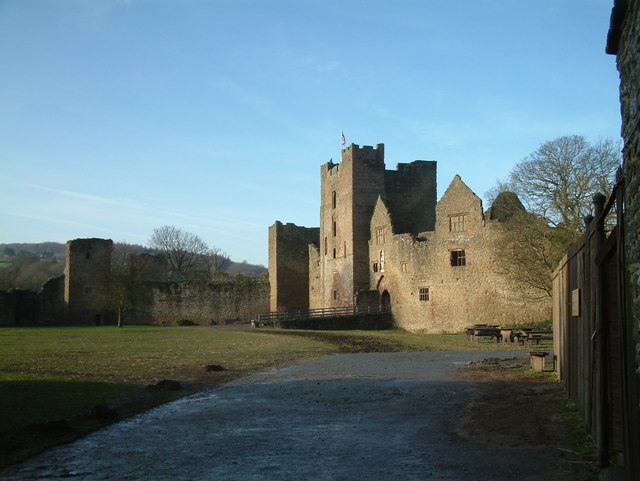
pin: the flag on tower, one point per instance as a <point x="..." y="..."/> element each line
<point x="344" y="141"/>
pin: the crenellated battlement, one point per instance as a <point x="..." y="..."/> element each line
<point x="356" y="153"/>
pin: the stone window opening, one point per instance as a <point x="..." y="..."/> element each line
<point x="403" y="267"/>
<point x="335" y="294"/>
<point x="325" y="246"/>
<point x="87" y="255"/>
<point x="334" y="199"/>
<point x="423" y="293"/>
<point x="375" y="267"/>
<point x="334" y="252"/>
<point x="458" y="258"/>
<point x="381" y="261"/>
<point x="344" y="249"/>
<point x="457" y="223"/>
<point x="334" y="227"/>
<point x="380" y="235"/>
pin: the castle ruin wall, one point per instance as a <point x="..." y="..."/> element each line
<point x="289" y="265"/>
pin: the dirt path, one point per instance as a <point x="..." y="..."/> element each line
<point x="373" y="416"/>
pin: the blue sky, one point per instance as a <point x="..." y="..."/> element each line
<point x="117" y="117"/>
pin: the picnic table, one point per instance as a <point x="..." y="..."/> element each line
<point x="531" y="336"/>
<point x="483" y="330"/>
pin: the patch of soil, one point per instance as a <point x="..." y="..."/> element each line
<point x="514" y="407"/>
<point x="347" y="343"/>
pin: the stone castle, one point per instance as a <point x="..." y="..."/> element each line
<point x="385" y="240"/>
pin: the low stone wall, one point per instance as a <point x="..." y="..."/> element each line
<point x="229" y="300"/>
<point x="18" y="307"/>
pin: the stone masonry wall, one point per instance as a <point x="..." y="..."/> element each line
<point x="315" y="286"/>
<point x="411" y="195"/>
<point x="203" y="302"/>
<point x="289" y="265"/>
<point x="628" y="60"/>
<point x="18" y="307"/>
<point x="51" y="301"/>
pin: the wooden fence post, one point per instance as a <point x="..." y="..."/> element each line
<point x="600" y="332"/>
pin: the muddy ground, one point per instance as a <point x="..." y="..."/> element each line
<point x="515" y="407"/>
<point x="421" y="415"/>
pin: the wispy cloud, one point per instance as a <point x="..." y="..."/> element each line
<point x="165" y="214"/>
<point x="83" y="196"/>
<point x="57" y="220"/>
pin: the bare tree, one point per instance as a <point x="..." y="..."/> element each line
<point x="558" y="180"/>
<point x="217" y="261"/>
<point x="124" y="286"/>
<point x="556" y="184"/>
<point x="186" y="253"/>
<point x="531" y="250"/>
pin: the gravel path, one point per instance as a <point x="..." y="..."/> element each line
<point x="344" y="417"/>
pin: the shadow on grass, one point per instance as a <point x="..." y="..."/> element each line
<point x="38" y="413"/>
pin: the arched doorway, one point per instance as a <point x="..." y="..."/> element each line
<point x="385" y="300"/>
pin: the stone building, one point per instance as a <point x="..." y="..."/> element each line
<point x="384" y="240"/>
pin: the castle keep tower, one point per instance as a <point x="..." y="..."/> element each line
<point x="88" y="264"/>
<point x="348" y="193"/>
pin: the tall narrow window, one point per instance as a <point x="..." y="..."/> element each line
<point x="335" y="294"/>
<point x="381" y="261"/>
<point x="457" y="223"/>
<point x="344" y="249"/>
<point x="325" y="246"/>
<point x="87" y="255"/>
<point x="458" y="258"/>
<point x="403" y="267"/>
<point x="375" y="267"/>
<point x="334" y="227"/>
<point x="333" y="199"/>
<point x="424" y="293"/>
<point x="380" y="235"/>
<point x="334" y="253"/>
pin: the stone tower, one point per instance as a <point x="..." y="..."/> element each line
<point x="348" y="191"/>
<point x="88" y="263"/>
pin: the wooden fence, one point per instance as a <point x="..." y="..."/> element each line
<point x="593" y="340"/>
<point x="370" y="317"/>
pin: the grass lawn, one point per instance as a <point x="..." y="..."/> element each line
<point x="52" y="377"/>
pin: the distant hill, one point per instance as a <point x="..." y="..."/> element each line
<point x="41" y="249"/>
<point x="245" y="269"/>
